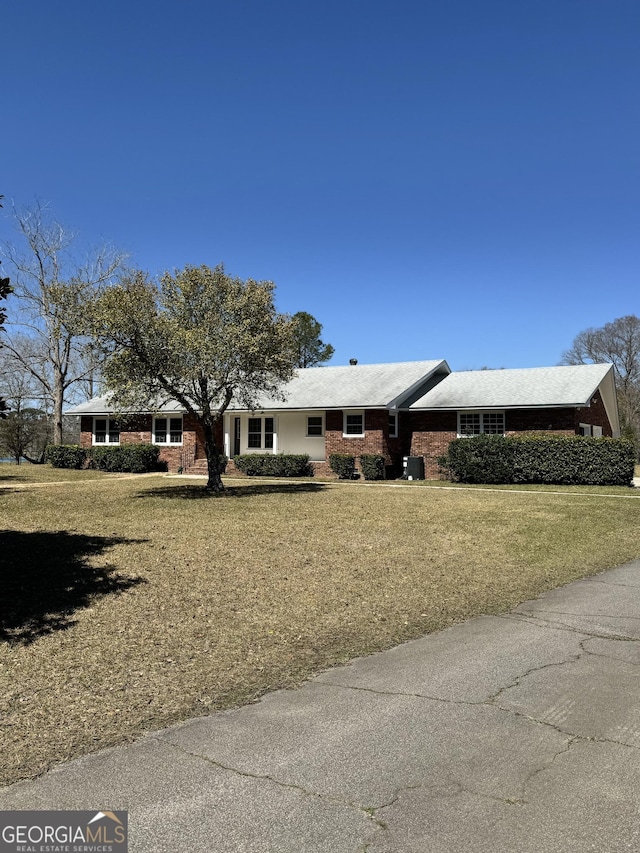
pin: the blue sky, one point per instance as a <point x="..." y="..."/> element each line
<point x="455" y="179"/>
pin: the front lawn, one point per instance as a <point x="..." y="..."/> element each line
<point x="131" y="603"/>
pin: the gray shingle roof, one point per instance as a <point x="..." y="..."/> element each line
<point x="354" y="386"/>
<point x="101" y="406"/>
<point x="571" y="385"/>
<point x="344" y="387"/>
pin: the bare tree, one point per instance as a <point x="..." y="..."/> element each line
<point x="26" y="430"/>
<point x="617" y="343"/>
<point x="5" y="290"/>
<point x="53" y="292"/>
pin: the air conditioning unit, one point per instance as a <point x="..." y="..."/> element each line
<point x="413" y="467"/>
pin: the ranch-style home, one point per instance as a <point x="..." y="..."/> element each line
<point x="397" y="410"/>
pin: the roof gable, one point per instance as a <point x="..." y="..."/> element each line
<point x="353" y="386"/>
<point x="571" y="385"/>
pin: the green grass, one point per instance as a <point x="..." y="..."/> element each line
<point x="131" y="603"/>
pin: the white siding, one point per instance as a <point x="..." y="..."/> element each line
<point x="290" y="434"/>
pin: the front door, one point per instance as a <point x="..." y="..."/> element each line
<point x="236" y="436"/>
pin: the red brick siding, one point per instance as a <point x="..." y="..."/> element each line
<point x="138" y="431"/>
<point x="595" y="414"/>
<point x="376" y="437"/>
<point x="431" y="432"/>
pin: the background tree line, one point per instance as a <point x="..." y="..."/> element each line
<point x="68" y="338"/>
<point x="618" y="343"/>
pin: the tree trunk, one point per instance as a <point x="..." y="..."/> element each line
<point x="214" y="481"/>
<point x="58" y="403"/>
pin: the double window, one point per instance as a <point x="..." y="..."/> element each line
<point x="476" y="423"/>
<point x="167" y="430"/>
<point x="106" y="431"/>
<point x="257" y="437"/>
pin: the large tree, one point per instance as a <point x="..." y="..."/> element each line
<point x="618" y="343"/>
<point x="53" y="289"/>
<point x="5" y="290"/>
<point x="202" y="338"/>
<point x="309" y="349"/>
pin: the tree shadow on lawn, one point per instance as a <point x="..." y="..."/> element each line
<point x="46" y="578"/>
<point x="8" y="478"/>
<point x="249" y="491"/>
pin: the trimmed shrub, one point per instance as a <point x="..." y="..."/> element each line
<point x="573" y="460"/>
<point x="373" y="466"/>
<point x="481" y="459"/>
<point x="126" y="459"/>
<point x="343" y="464"/>
<point x="274" y="464"/>
<point x="65" y="455"/>
<point x="562" y="460"/>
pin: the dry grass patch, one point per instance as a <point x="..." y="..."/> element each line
<point x="26" y="474"/>
<point x="134" y="603"/>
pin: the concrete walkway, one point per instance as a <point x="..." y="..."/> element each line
<point x="518" y="733"/>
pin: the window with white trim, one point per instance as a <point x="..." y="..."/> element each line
<point x="106" y="431"/>
<point x="393" y="424"/>
<point x="353" y="424"/>
<point x="256" y="438"/>
<point x="254" y="433"/>
<point x="476" y="423"/>
<point x="167" y="430"/>
<point x="268" y="433"/>
<point x="314" y="425"/>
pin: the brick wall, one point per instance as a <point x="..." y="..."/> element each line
<point x="138" y="431"/>
<point x="431" y="432"/>
<point x="376" y="438"/>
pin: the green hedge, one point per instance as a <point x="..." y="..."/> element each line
<point x="274" y="464"/>
<point x="65" y="455"/>
<point x="343" y="464"/>
<point x="373" y="466"/>
<point x="126" y="459"/>
<point x="551" y="459"/>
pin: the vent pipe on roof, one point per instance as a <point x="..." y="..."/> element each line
<point x="353" y="361"/>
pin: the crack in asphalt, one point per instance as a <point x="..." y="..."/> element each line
<point x="368" y="811"/>
<point x="534" y="619"/>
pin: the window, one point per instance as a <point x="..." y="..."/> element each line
<point x="475" y="423"/>
<point x="314" y="425"/>
<point x="167" y="430"/>
<point x="268" y="433"/>
<point x="393" y="424"/>
<point x="589" y="429"/>
<point x="106" y="431"/>
<point x="353" y="423"/>
<point x="254" y="432"/>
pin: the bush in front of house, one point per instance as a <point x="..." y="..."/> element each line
<point x="274" y="464"/>
<point x="343" y="464"/>
<point x="126" y="459"/>
<point x="372" y="466"/>
<point x="481" y="459"/>
<point x="573" y="460"/>
<point x="65" y="455"/>
<point x="538" y="458"/>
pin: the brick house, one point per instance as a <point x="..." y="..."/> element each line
<point x="397" y="409"/>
